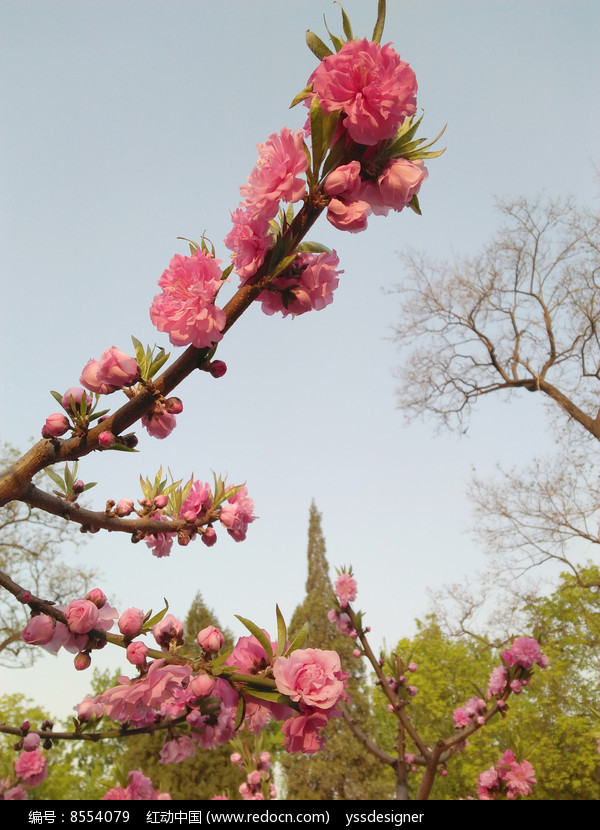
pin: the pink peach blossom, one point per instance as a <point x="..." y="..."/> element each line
<point x="374" y="89"/>
<point x="304" y="732"/>
<point x="130" y="622"/>
<point x="56" y="424"/>
<point x="77" y="393"/>
<point x="31" y="767"/>
<point x="117" y="369"/>
<point x="237" y="514"/>
<point x="186" y="310"/>
<point x="276" y="176"/>
<point x="311" y="677"/>
<point x="210" y="639"/>
<point x="177" y="750"/>
<point x="345" y="589"/>
<point x="39" y="630"/>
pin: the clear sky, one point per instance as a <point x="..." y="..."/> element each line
<point x="128" y="123"/>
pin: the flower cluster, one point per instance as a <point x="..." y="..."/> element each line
<point x="507" y="778"/>
<point x="139" y="789"/>
<point x="258" y="785"/>
<point x="517" y="663"/>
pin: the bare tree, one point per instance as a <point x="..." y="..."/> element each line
<point x="523" y="314"/>
<point x="31" y="550"/>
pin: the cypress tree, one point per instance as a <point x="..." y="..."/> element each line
<point x="343" y="769"/>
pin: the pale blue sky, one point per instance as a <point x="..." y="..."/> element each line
<point x="126" y="124"/>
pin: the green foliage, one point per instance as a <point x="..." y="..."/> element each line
<point x="551" y="723"/>
<point x="342" y="769"/>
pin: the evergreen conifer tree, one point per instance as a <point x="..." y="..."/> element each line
<point x="343" y="769"/>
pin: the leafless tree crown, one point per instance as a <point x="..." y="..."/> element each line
<point x="524" y="313"/>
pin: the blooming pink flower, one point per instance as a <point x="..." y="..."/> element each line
<point x="82" y="615"/>
<point x="311" y="677"/>
<point x="275" y="178"/>
<point x="237" y="514"/>
<point x="31" y="767"/>
<point x="304" y="732"/>
<point x="519" y="779"/>
<point x="497" y="682"/>
<point x="525" y="651"/>
<point x="249" y="241"/>
<point x="177" y="750"/>
<point x="39" y="630"/>
<point x="308" y="284"/>
<point x="371" y="85"/>
<point x="89" y="379"/>
<point x="88" y="709"/>
<point x="197" y="503"/>
<point x="55" y="425"/>
<point x="345" y="589"/>
<point x="186" y="309"/>
<point x="159" y="422"/>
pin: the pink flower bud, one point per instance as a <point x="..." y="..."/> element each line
<point x="106" y="439"/>
<point x="82" y="615"/>
<point x="412" y="667"/>
<point x="117" y="368"/>
<point x="25" y="726"/>
<point x="357" y="653"/>
<point x="130" y="622"/>
<point x="412" y="691"/>
<point x="96" y="596"/>
<point x="410" y="759"/>
<point x="209" y="537"/>
<point x="31" y="742"/>
<point x="344" y="180"/>
<point x="24" y="597"/>
<point x="481" y="720"/>
<point x="78" y="486"/>
<point x="443" y="773"/>
<point x="39" y="630"/>
<point x="161" y="501"/>
<point x="82" y="661"/>
<point x="77" y="393"/>
<point x="217" y="368"/>
<point x="136" y="653"/>
<point x="515" y="686"/>
<point x="124" y="507"/>
<point x="56" y="424"/>
<point x="210" y="639"/>
<point x="174" y="406"/>
<point x="235" y="758"/>
<point x="265" y="759"/>
<point x="202" y="685"/>
<point x="168" y="630"/>
<point x="89" y="379"/>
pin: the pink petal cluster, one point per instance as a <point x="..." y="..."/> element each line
<point x="354" y="198"/>
<point x="114" y="370"/>
<point x="31" y="767"/>
<point x="497" y="682"/>
<point x="304" y="733"/>
<point x="139" y="789"/>
<point x="345" y="589"/>
<point x="168" y="630"/>
<point x="275" y="178"/>
<point x="369" y="83"/>
<point x="507" y="778"/>
<point x="471" y="712"/>
<point x="177" y="750"/>
<point x="237" y="514"/>
<point x="82" y="615"/>
<point x="306" y="285"/>
<point x="277" y="175"/>
<point x="524" y="652"/>
<point x="186" y="308"/>
<point x="159" y="421"/>
<point x="197" y="503"/>
<point x="311" y="677"/>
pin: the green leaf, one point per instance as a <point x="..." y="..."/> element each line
<point x="56" y="479"/>
<point x="158" y="362"/>
<point x="281" y="632"/>
<point x="56" y="396"/>
<point x="273" y="697"/>
<point x="380" y="23"/>
<point x="316" y="134"/>
<point x="346" y="23"/>
<point x="312" y="248"/>
<point x="337" y="43"/>
<point x="227" y="272"/>
<point x="281" y="266"/>
<point x="299" y="640"/>
<point x="259" y="634"/>
<point x="319" y="49"/>
<point x="88" y="486"/>
<point x="241" y="711"/>
<point x="140" y="355"/>
<point x="414" y="205"/>
<point x="157" y="617"/>
<point x="121" y="448"/>
<point x="70" y="476"/>
<point x="302" y="96"/>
